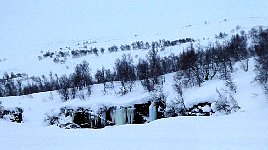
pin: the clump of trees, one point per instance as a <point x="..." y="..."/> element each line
<point x="74" y="85"/>
<point x="194" y="66"/>
<point x="67" y="86"/>
<point x="225" y="103"/>
<point x="260" y="49"/>
<point x="61" y="55"/>
<point x="177" y="107"/>
<point x="150" y="71"/>
<point x="155" y="80"/>
<point x="125" y="73"/>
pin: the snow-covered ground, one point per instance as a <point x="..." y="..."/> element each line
<point x="245" y="129"/>
<point x="29" y="27"/>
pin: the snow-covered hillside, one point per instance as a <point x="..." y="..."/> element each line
<point x="245" y="129"/>
<point x="30" y="29"/>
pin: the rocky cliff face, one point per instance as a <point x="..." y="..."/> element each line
<point x="85" y="117"/>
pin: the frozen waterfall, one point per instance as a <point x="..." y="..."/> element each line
<point x="120" y="116"/>
<point x="130" y="115"/>
<point x="103" y="118"/>
<point x="112" y="114"/>
<point x="152" y="112"/>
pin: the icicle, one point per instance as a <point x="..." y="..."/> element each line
<point x="152" y="112"/>
<point x="96" y="120"/>
<point x="112" y="114"/>
<point x="130" y="115"/>
<point x="90" y="120"/>
<point x="103" y="118"/>
<point x="120" y="116"/>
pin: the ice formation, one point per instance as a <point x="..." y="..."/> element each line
<point x="103" y="118"/>
<point x="112" y="114"/>
<point x="152" y="112"/>
<point x="120" y="116"/>
<point x="130" y="115"/>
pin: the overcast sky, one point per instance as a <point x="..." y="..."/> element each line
<point x="25" y="21"/>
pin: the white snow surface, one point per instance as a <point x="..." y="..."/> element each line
<point x="28" y="27"/>
<point x="245" y="129"/>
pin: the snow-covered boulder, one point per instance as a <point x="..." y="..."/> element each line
<point x="12" y="114"/>
<point x="200" y="109"/>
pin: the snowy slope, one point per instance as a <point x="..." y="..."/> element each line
<point x="246" y="129"/>
<point x="249" y="95"/>
<point x="29" y="27"/>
